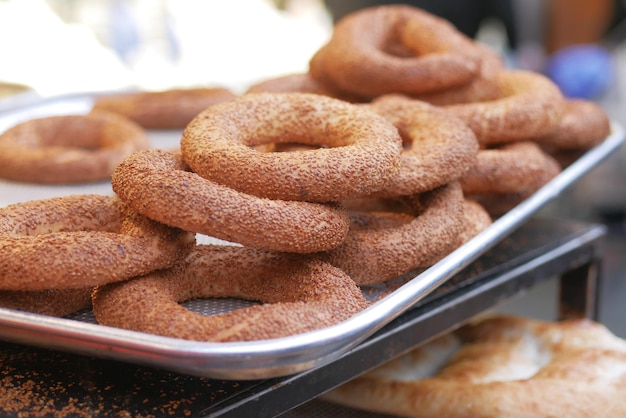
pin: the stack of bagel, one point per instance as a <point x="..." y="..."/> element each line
<point x="403" y="141"/>
<point x="527" y="130"/>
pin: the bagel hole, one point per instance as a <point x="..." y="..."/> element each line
<point x="396" y="49"/>
<point x="407" y="141"/>
<point x="394" y="46"/>
<point x="77" y="133"/>
<point x="216" y="306"/>
<point x="204" y="306"/>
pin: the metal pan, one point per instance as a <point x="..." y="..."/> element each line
<point x="256" y="359"/>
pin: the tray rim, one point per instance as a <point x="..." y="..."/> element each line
<point x="288" y="355"/>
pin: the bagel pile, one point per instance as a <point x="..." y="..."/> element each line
<point x="401" y="50"/>
<point x="401" y="143"/>
<point x="500" y="366"/>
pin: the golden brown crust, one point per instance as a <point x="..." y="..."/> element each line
<point x="80" y="241"/>
<point x="395" y="49"/>
<point x="51" y="302"/>
<point x="502" y="367"/>
<point x="476" y="220"/>
<point x="497" y="204"/>
<point x="167" y="109"/>
<point x="298" y="294"/>
<point x="528" y="105"/>
<point x="482" y="88"/>
<point x="438" y="147"/>
<point x="584" y="125"/>
<point x="511" y="168"/>
<point x="159" y="185"/>
<point x="297" y="83"/>
<point x="380" y="246"/>
<point x="290" y="83"/>
<point x="68" y="148"/>
<point x="361" y="154"/>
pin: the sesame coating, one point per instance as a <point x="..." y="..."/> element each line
<point x="299" y="83"/>
<point x="584" y="125"/>
<point x="297" y="294"/>
<point x="80" y="241"/>
<point x="296" y="82"/>
<point x="481" y="88"/>
<point x="475" y="220"/>
<point x="438" y="147"/>
<point x="497" y="204"/>
<point x="68" y="148"/>
<point x="158" y="184"/>
<point x="375" y="251"/>
<point x="527" y="105"/>
<point x="510" y="168"/>
<point x="359" y="155"/>
<point x="51" y="302"/>
<point x="166" y="109"/>
<point x="395" y="49"/>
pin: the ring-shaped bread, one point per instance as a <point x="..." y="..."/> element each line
<point x="501" y="366"/>
<point x="438" y="147"/>
<point x="511" y="168"/>
<point x="584" y="125"/>
<point x="51" y="302"/>
<point x="166" y="109"/>
<point x="527" y="105"/>
<point x="382" y="245"/>
<point x="68" y="148"/>
<point x="482" y="88"/>
<point x="297" y="83"/>
<point x="79" y="241"/>
<point x="159" y="185"/>
<point x="360" y="154"/>
<point x="294" y="83"/>
<point x="475" y="220"/>
<point x="297" y="294"/>
<point x="395" y="49"/>
<point x="497" y="204"/>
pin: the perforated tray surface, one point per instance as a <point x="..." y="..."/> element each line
<point x="256" y="359"/>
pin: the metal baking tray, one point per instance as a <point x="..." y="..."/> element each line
<point x="255" y="359"/>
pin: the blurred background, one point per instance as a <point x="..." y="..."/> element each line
<point x="57" y="46"/>
<point x="52" y="47"/>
